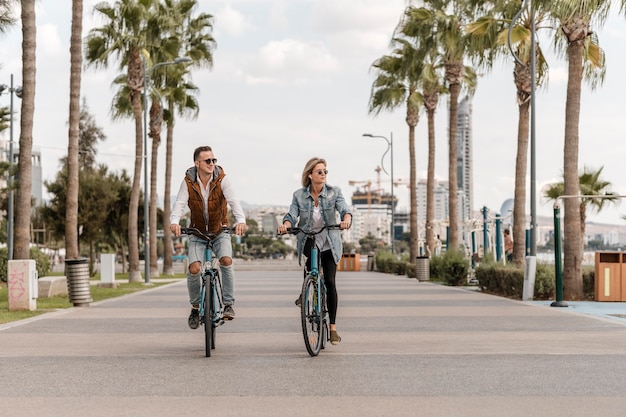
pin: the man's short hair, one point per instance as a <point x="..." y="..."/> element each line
<point x="199" y="150"/>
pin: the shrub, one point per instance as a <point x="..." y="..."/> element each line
<point x="452" y="267"/>
<point x="42" y="262"/>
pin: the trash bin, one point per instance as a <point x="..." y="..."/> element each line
<point x="422" y="268"/>
<point x="350" y="262"/>
<point x="370" y="262"/>
<point x="78" y="290"/>
<point x="608" y="285"/>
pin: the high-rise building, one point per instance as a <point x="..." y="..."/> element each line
<point x="465" y="173"/>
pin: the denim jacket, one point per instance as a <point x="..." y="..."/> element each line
<point x="331" y="203"/>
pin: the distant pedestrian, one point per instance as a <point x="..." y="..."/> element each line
<point x="508" y="245"/>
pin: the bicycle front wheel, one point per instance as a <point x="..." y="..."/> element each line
<point x="310" y="314"/>
<point x="209" y="328"/>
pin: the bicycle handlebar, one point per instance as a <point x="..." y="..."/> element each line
<point x="202" y="235"/>
<point x="296" y="230"/>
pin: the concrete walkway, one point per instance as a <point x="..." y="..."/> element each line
<point x="408" y="349"/>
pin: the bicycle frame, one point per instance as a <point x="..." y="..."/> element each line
<point x="313" y="309"/>
<point x="211" y="275"/>
<point x="211" y="306"/>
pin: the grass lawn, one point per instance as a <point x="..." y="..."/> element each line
<point x="46" y="305"/>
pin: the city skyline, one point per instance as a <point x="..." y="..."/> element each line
<point x="291" y="80"/>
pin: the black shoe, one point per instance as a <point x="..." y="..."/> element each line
<point x="194" y="318"/>
<point x="229" y="313"/>
<point x="299" y="301"/>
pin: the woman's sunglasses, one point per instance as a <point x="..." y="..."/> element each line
<point x="321" y="171"/>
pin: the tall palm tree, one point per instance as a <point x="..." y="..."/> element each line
<point x="596" y="191"/>
<point x="574" y="19"/>
<point x="124" y="37"/>
<point x="432" y="89"/>
<point x="21" y="248"/>
<point x="71" y="206"/>
<point x="396" y="83"/>
<point x="198" y="44"/>
<point x="441" y="22"/>
<point x="490" y="35"/>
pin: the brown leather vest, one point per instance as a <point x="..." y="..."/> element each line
<point x="216" y="216"/>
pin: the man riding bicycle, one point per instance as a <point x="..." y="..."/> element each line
<point x="207" y="191"/>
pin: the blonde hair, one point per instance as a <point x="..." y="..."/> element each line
<point x="308" y="170"/>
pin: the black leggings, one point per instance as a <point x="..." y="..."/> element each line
<point x="329" y="267"/>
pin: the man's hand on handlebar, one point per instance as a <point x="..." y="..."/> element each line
<point x="175" y="228"/>
<point x="240" y="229"/>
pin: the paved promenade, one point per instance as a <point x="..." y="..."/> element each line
<point x="408" y="349"/>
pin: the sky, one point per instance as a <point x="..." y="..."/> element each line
<point x="292" y="79"/>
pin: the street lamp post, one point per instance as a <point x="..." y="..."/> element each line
<point x="18" y="93"/>
<point x="146" y="219"/>
<point x="393" y="210"/>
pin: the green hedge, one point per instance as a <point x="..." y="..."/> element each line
<point x="41" y="260"/>
<point x="509" y="280"/>
<point x="451" y="268"/>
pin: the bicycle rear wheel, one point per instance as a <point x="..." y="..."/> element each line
<point x="209" y="329"/>
<point x="312" y="327"/>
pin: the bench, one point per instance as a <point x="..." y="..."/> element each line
<point x="51" y="286"/>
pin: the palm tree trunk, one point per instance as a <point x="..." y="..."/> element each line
<point x="135" y="73"/>
<point x="430" y="184"/>
<point x="21" y="248"/>
<point x="519" y="202"/>
<point x="572" y="243"/>
<point x="71" y="214"/>
<point x="412" y="118"/>
<point x="453" y="201"/>
<point x="167" y="236"/>
<point x="413" y="196"/>
<point x="155" y="134"/>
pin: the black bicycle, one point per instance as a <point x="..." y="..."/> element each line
<point x="313" y="308"/>
<point x="211" y="302"/>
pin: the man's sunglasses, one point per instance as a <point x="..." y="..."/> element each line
<point x="211" y="160"/>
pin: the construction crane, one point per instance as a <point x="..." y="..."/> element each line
<point x="368" y="187"/>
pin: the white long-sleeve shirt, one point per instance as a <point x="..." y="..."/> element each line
<point x="182" y="200"/>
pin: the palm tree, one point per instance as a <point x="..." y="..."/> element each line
<point x="432" y="88"/>
<point x="490" y="35"/>
<point x="596" y="191"/>
<point x="574" y="19"/>
<point x="198" y="44"/>
<point x="397" y="83"/>
<point x="445" y="32"/>
<point x="76" y="59"/>
<point x="125" y="36"/>
<point x="6" y="15"/>
<point x="24" y="187"/>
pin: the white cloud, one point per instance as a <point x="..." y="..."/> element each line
<point x="291" y="61"/>
<point x="231" y="21"/>
<point x="48" y="40"/>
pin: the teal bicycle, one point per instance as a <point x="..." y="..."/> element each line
<point x="313" y="309"/>
<point x="211" y="302"/>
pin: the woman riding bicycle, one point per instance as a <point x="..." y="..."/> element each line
<point x="314" y="206"/>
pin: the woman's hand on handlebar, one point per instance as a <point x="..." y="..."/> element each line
<point x="282" y="229"/>
<point x="346" y="222"/>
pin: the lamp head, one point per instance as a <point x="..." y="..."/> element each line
<point x="182" y="59"/>
<point x="369" y="135"/>
<point x="3" y="87"/>
<point x="19" y="92"/>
